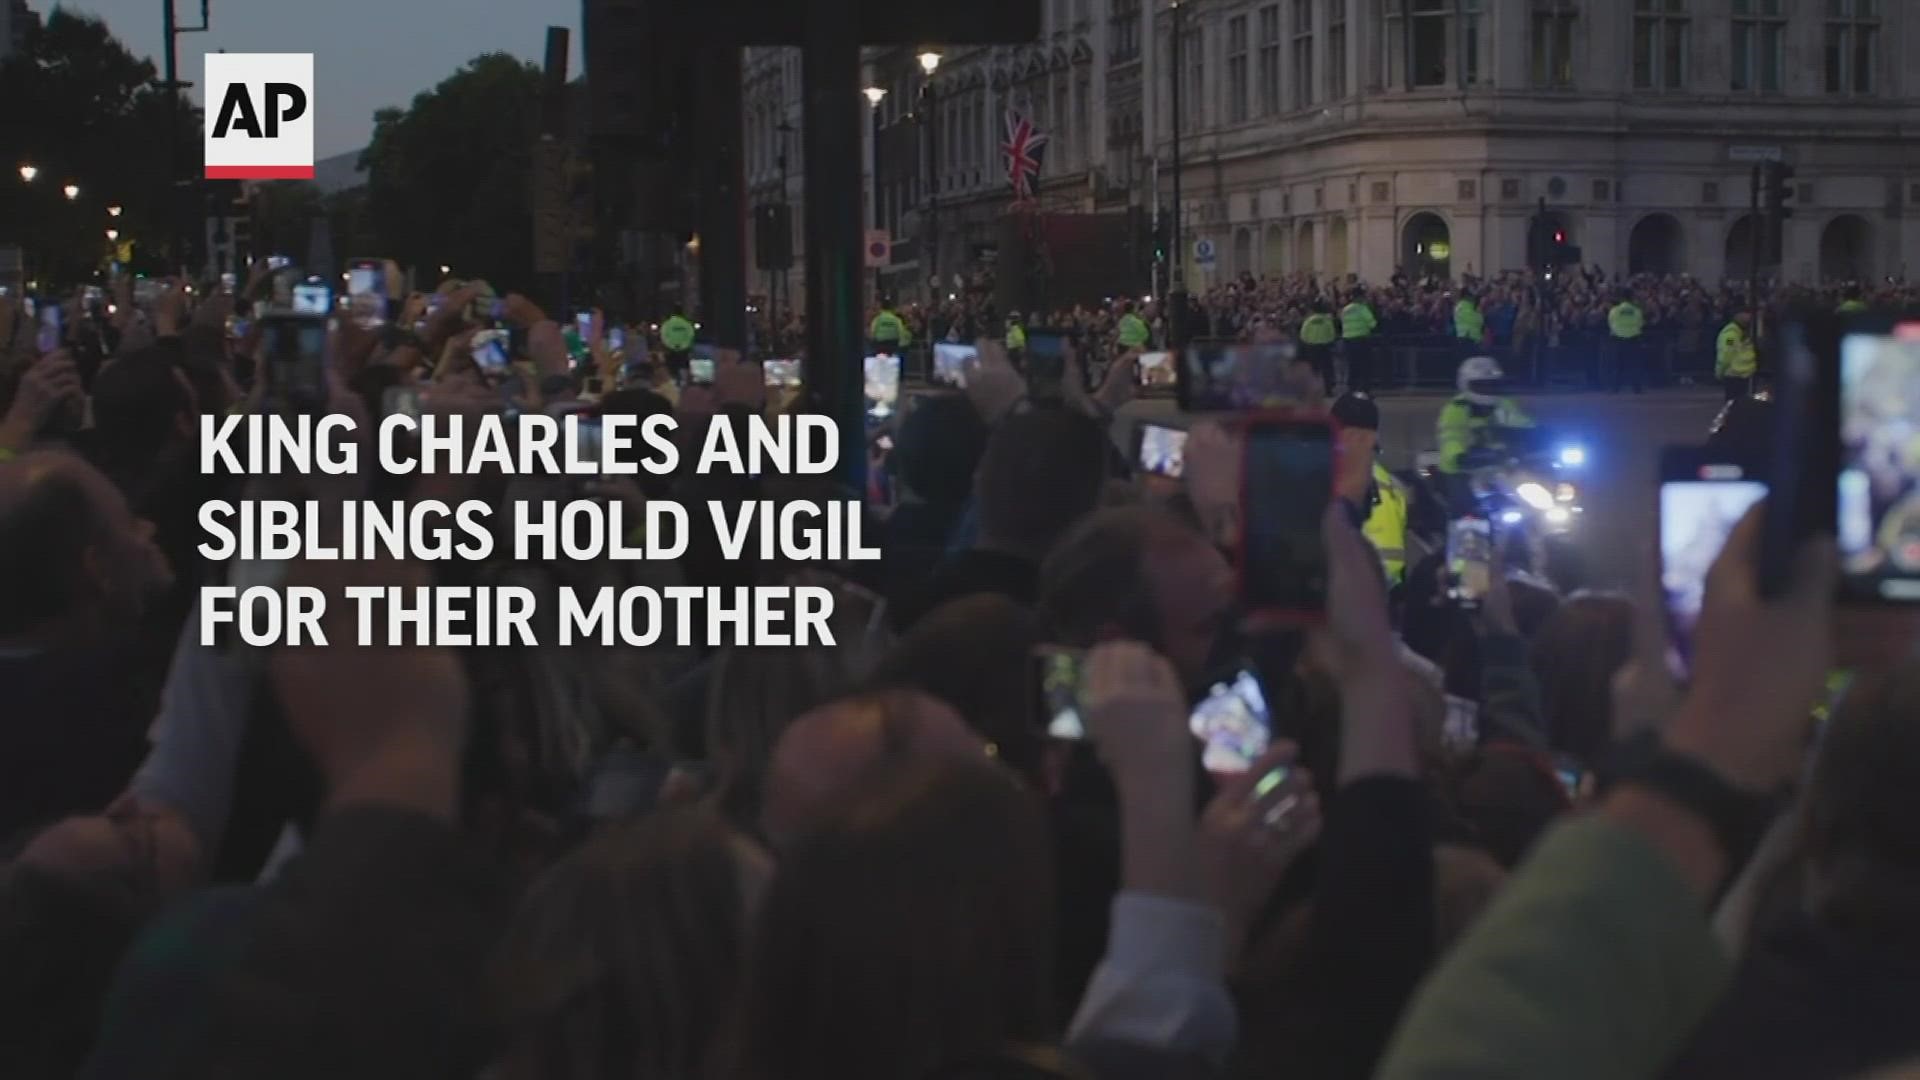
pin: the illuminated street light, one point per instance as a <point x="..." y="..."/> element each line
<point x="72" y="191"/>
<point x="113" y="211"/>
<point x="875" y="95"/>
<point x="445" y="269"/>
<point x="28" y="172"/>
<point x="113" y="234"/>
<point x="929" y="61"/>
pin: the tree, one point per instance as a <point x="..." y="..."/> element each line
<point x="83" y="110"/>
<point x="449" y="178"/>
<point x="283" y="216"/>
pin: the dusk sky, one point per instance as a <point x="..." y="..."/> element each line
<point x="368" y="54"/>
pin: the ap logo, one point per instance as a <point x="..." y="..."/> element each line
<point x="259" y="116"/>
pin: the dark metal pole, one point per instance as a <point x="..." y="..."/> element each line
<point x="176" y="205"/>
<point x="933" y="192"/>
<point x="723" y="269"/>
<point x="1756" y="236"/>
<point x="830" y="85"/>
<point x="1175" y="254"/>
<point x="879" y="222"/>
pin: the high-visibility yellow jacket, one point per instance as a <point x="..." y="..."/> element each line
<point x="1468" y="323"/>
<point x="888" y="327"/>
<point x="1849" y="307"/>
<point x="1357" y="320"/>
<point x="1133" y="331"/>
<point x="1318" y="329"/>
<point x="1734" y="355"/>
<point x="676" y="333"/>
<point x="1463" y="425"/>
<point x="1625" y="320"/>
<point x="1386" y="524"/>
<point x="1016" y="336"/>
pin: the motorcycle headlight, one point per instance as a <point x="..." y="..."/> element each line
<point x="1558" y="516"/>
<point x="1565" y="493"/>
<point x="1511" y="517"/>
<point x="1573" y="456"/>
<point x="1534" y="495"/>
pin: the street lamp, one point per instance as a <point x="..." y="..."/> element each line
<point x="113" y="211"/>
<point x="875" y="95"/>
<point x="929" y="61"/>
<point x="445" y="269"/>
<point x="28" y="172"/>
<point x="72" y="191"/>
<point x="113" y="234"/>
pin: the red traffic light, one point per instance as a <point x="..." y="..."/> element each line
<point x="1559" y="236"/>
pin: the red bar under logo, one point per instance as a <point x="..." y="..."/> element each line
<point x="259" y="172"/>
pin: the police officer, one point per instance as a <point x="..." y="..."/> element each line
<point x="1133" y="332"/>
<point x="1375" y="494"/>
<point x="1735" y="360"/>
<point x="1016" y="333"/>
<point x="1470" y="426"/>
<point x="1469" y="326"/>
<point x="1357" y="324"/>
<point x="1317" y="335"/>
<point x="1625" y="326"/>
<point x="676" y="340"/>
<point x="889" y="331"/>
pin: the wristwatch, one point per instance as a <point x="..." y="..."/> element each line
<point x="1738" y="817"/>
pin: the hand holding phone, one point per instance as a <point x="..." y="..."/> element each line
<point x="1162" y="451"/>
<point x="294" y="351"/>
<point x="1046" y="364"/>
<point x="1136" y="713"/>
<point x="1702" y="497"/>
<point x="951" y="361"/>
<point x="1469" y="561"/>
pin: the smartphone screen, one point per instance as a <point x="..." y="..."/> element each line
<point x="1155" y="370"/>
<point x="296" y="362"/>
<point x="491" y="351"/>
<point x="587" y="438"/>
<point x="1469" y="560"/>
<point x="401" y="401"/>
<point x="366" y="293"/>
<point x="583" y="322"/>
<point x="1163" y="451"/>
<point x="1878" y="491"/>
<point x="701" y="370"/>
<point x="1046" y="363"/>
<point x="616" y="339"/>
<point x="1700" y="503"/>
<point x="50" y="334"/>
<point x="950" y="362"/>
<point x="312" y="298"/>
<point x="1059" y="684"/>
<point x="1227" y="377"/>
<point x="1287" y="482"/>
<point x="782" y="374"/>
<point x="1232" y="724"/>
<point x="883" y="385"/>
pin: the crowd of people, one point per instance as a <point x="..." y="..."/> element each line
<point x="1491" y="843"/>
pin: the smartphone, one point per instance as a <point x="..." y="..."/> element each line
<point x="1804" y="442"/>
<point x="237" y="327"/>
<point x="1877" y="493"/>
<point x="587" y="439"/>
<point x="278" y="262"/>
<point x="229" y="282"/>
<point x="1221" y="376"/>
<point x="52" y="327"/>
<point x="1162" y="450"/>
<point x="1469" y="561"/>
<point x="782" y="374"/>
<point x="145" y="291"/>
<point x="491" y="350"/>
<point x="950" y="363"/>
<point x="1046" y="364"/>
<point x="1059" y="686"/>
<point x="401" y="401"/>
<point x="93" y="298"/>
<point x="1570" y="774"/>
<point x="616" y="339"/>
<point x="367" y="292"/>
<point x="701" y="370"/>
<point x="1286" y="485"/>
<point x="312" y="297"/>
<point x="1233" y="724"/>
<point x="883" y="385"/>
<point x="1155" y="370"/>
<point x="294" y="348"/>
<point x="1702" y="497"/>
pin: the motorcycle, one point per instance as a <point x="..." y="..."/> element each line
<point x="1530" y="488"/>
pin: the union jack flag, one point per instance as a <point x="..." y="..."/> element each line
<point x="1025" y="150"/>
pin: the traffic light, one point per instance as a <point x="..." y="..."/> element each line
<point x="1777" y="190"/>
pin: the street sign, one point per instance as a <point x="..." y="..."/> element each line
<point x="1203" y="253"/>
<point x="879" y="249"/>
<point x="1752" y="154"/>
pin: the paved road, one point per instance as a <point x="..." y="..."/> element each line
<point x="1623" y="435"/>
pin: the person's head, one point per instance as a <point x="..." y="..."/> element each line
<point x="143" y="405"/>
<point x="1861" y="822"/>
<point x="833" y="747"/>
<point x="1744" y="318"/>
<point x="1042" y="471"/>
<point x="1142" y="574"/>
<point x="1479" y="379"/>
<point x="974" y="654"/>
<point x="1576" y="654"/>
<point x="626" y="955"/>
<point x="74" y="560"/>
<point x="755" y="692"/>
<point x="938" y="448"/>
<point x="910" y="930"/>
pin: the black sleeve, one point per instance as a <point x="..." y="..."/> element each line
<point x="368" y="957"/>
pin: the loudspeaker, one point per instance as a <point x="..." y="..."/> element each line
<point x="773" y="236"/>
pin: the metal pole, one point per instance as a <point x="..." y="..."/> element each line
<point x="878" y="221"/>
<point x="1176" y="255"/>
<point x="933" y="192"/>
<point x="176" y="209"/>
<point x="830" y="90"/>
<point x="723" y="270"/>
<point x="1756" y="236"/>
